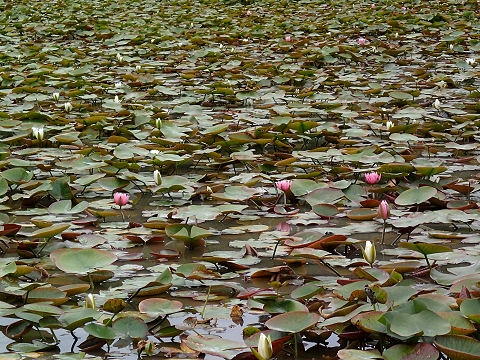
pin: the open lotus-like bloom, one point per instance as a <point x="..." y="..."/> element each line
<point x="68" y="107"/>
<point x="373" y="177"/>
<point x="283" y="185"/>
<point x="384" y="210"/>
<point x="288" y="38"/>
<point x="121" y="198"/>
<point x="38" y="133"/>
<point x="362" y="41"/>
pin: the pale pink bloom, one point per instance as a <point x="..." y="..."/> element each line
<point x="249" y="13"/>
<point x="384" y="210"/>
<point x="361" y="41"/>
<point x="324" y="5"/>
<point x="288" y="38"/>
<point x="284" y="227"/>
<point x="372" y="6"/>
<point x="373" y="177"/>
<point x="283" y="185"/>
<point x="121" y="198"/>
<point x="404" y="8"/>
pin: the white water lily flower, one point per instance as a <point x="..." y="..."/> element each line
<point x="369" y="253"/>
<point x="389" y="124"/>
<point x="437" y="104"/>
<point x="158" y="123"/>
<point x="119" y="57"/>
<point x="38" y="133"/>
<point x="68" y="107"/>
<point x="442" y="84"/>
<point x="470" y="61"/>
<point x="138" y="67"/>
<point x="157" y="177"/>
<point x="56" y="96"/>
<point x="90" y="302"/>
<point x="117" y="99"/>
<point x="118" y="84"/>
<point x="265" y="348"/>
<point x="154" y="152"/>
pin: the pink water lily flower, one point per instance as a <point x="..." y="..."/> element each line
<point x="288" y="38"/>
<point x="249" y="13"/>
<point x="373" y="177"/>
<point x="362" y="41"/>
<point x="283" y="185"/>
<point x="121" y="198"/>
<point x="384" y="210"/>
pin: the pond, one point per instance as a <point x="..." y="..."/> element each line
<point x="239" y="180"/>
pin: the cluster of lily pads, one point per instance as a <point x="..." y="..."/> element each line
<point x="241" y="179"/>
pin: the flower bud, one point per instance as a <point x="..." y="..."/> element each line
<point x="265" y="348"/>
<point x="157" y="177"/>
<point x="369" y="253"/>
<point x="90" y="302"/>
<point x="121" y="198"/>
<point x="68" y="107"/>
<point x="56" y="96"/>
<point x="384" y="210"/>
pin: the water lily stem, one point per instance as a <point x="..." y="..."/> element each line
<point x="43" y="247"/>
<point x="428" y="262"/>
<point x="284" y="198"/>
<point x="275" y="249"/>
<point x="383" y="232"/>
<point x="54" y="336"/>
<point x="91" y="281"/>
<point x="123" y="216"/>
<point x="206" y="301"/>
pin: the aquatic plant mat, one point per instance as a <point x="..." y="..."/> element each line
<point x="179" y="177"/>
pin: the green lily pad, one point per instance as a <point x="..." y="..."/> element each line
<point x="81" y="261"/>
<point x="459" y="347"/>
<point x="128" y="326"/>
<point x="16" y="175"/>
<point x="421" y="351"/>
<point x="350" y="354"/>
<point x="214" y="345"/>
<point x="416" y="195"/>
<point x="425" y="248"/>
<point x="293" y="322"/>
<point x="157" y="306"/>
<point x="50" y="231"/>
<point x="471" y="309"/>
